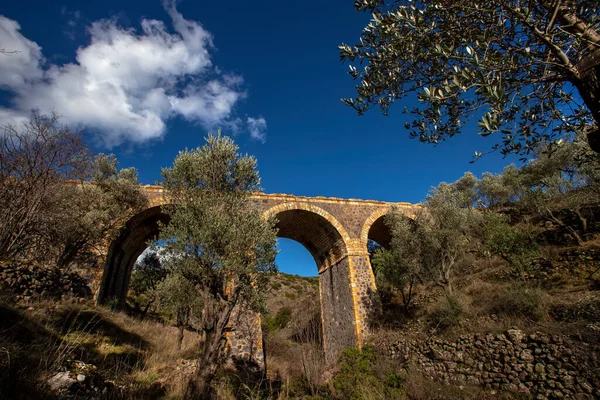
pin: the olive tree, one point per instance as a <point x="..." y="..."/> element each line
<point x="446" y="230"/>
<point x="428" y="246"/>
<point x="528" y="69"/>
<point x="402" y="266"/>
<point x="219" y="241"/>
<point x="179" y="298"/>
<point x="148" y="273"/>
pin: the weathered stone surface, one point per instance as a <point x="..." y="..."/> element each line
<point x="28" y="281"/>
<point x="535" y="368"/>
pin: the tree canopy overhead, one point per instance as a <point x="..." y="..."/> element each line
<point x="528" y="69"/>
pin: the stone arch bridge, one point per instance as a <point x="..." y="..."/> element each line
<point x="335" y="231"/>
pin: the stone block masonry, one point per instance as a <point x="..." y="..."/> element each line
<point x="335" y="231"/>
<point x="537" y="365"/>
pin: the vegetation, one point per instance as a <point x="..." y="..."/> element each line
<point x="60" y="203"/>
<point x="357" y="379"/>
<point x="146" y="277"/>
<point x="179" y="299"/>
<point x="529" y="68"/>
<point x="217" y="242"/>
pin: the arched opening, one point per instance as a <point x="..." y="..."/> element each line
<point x="324" y="238"/>
<point x="125" y="250"/>
<point x="314" y="232"/>
<point x="291" y="323"/>
<point x="380" y="233"/>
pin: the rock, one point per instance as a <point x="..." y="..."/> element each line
<point x="539" y="368"/>
<point x="586" y="387"/>
<point x="584" y="396"/>
<point x="81" y="378"/>
<point x="61" y="381"/>
<point x="515" y="335"/>
<point x="526" y="356"/>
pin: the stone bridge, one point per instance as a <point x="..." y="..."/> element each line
<point x="335" y="231"/>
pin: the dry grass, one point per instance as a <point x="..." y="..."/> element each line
<point x="140" y="356"/>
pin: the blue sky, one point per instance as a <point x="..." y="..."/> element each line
<point x="268" y="73"/>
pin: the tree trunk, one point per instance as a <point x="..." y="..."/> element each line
<point x="407" y="299"/>
<point x="145" y="311"/>
<point x="180" y="336"/>
<point x="199" y="384"/>
<point x="448" y="289"/>
<point x="573" y="232"/>
<point x="582" y="221"/>
<point x="588" y="86"/>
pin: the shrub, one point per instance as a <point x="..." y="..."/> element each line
<point x="280" y="321"/>
<point x="283" y="316"/>
<point x="514" y="245"/>
<point x="290" y="296"/>
<point x="357" y="379"/>
<point x="518" y="301"/>
<point x="447" y="314"/>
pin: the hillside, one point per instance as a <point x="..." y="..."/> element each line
<point x="552" y="307"/>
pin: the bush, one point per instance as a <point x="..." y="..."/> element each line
<point x="518" y="301"/>
<point x="447" y="314"/>
<point x="280" y="321"/>
<point x="514" y="245"/>
<point x="358" y="380"/>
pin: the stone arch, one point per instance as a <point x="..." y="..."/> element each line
<point x="374" y="228"/>
<point x="124" y="251"/>
<point x="316" y="229"/>
<point x="328" y="242"/>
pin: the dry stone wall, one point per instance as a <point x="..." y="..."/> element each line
<point x="539" y="365"/>
<point x="28" y="281"/>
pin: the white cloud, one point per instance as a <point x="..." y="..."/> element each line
<point x="22" y="62"/>
<point x="257" y="128"/>
<point x="125" y="84"/>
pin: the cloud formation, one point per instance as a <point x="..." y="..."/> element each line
<point x="257" y="128"/>
<point x="125" y="84"/>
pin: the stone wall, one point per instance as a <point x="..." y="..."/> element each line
<point x="245" y="341"/>
<point x="540" y="365"/>
<point x="29" y="281"/>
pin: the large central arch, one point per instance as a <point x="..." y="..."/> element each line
<point x="326" y="239"/>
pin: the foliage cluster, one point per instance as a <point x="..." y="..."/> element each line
<point x="218" y="244"/>
<point x="447" y="315"/>
<point x="527" y="69"/>
<point x="518" y="301"/>
<point x="60" y="203"/>
<point x="497" y="215"/>
<point x="359" y="379"/>
<point x="279" y="321"/>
